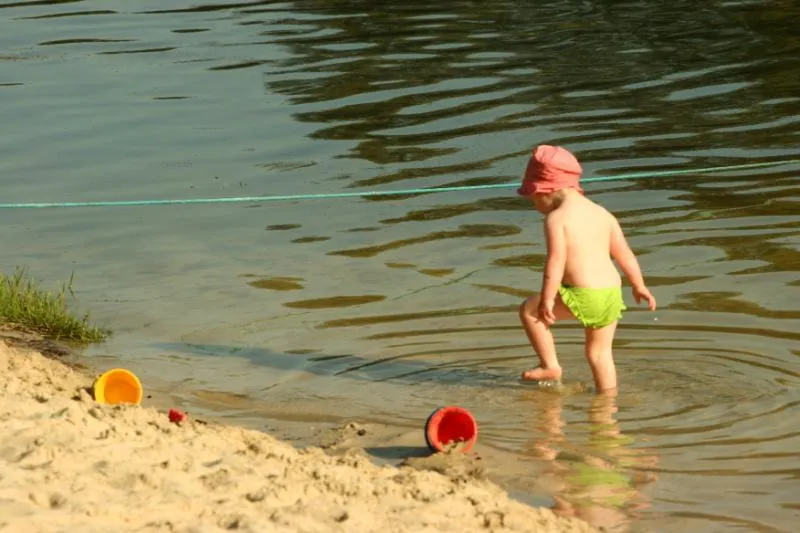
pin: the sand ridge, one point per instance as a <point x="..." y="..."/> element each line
<point x="70" y="464"/>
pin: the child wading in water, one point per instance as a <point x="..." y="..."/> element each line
<point x="580" y="280"/>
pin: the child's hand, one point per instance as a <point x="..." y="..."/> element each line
<point x="545" y="313"/>
<point x="641" y="293"/>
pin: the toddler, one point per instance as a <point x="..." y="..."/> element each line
<point x="580" y="281"/>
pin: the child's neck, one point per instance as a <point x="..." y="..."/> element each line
<point x="559" y="200"/>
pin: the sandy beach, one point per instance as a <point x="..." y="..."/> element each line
<point x="68" y="463"/>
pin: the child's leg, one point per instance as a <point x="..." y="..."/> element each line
<point x="600" y="358"/>
<point x="541" y="338"/>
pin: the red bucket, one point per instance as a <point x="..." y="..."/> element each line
<point x="450" y="424"/>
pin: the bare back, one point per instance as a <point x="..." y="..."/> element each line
<point x="588" y="228"/>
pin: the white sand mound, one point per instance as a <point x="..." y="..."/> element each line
<point x="68" y="464"/>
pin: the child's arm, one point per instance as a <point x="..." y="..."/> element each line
<point x="556" y="261"/>
<point x="625" y="258"/>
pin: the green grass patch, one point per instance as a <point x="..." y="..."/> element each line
<point x="24" y="305"/>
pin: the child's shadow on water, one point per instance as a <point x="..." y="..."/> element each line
<point x="395" y="369"/>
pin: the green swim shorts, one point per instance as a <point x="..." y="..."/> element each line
<point x="594" y="308"/>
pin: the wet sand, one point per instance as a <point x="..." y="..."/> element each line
<point x="68" y="463"/>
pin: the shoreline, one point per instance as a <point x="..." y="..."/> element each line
<point x="67" y="462"/>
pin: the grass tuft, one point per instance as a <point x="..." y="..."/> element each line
<point x="23" y="304"/>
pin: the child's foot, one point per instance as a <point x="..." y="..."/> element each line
<point x="542" y="374"/>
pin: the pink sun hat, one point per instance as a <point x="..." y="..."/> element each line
<point x="550" y="168"/>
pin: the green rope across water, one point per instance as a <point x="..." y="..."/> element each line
<point x="319" y="196"/>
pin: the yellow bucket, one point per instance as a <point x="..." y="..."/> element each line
<point x="118" y="386"/>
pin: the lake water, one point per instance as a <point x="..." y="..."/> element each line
<point x="383" y="308"/>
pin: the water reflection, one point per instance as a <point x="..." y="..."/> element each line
<point x="472" y="231"/>
<point x="277" y="283"/>
<point x="336" y="301"/>
<point x="601" y="481"/>
<point x="413" y="95"/>
<point x="420" y="315"/>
